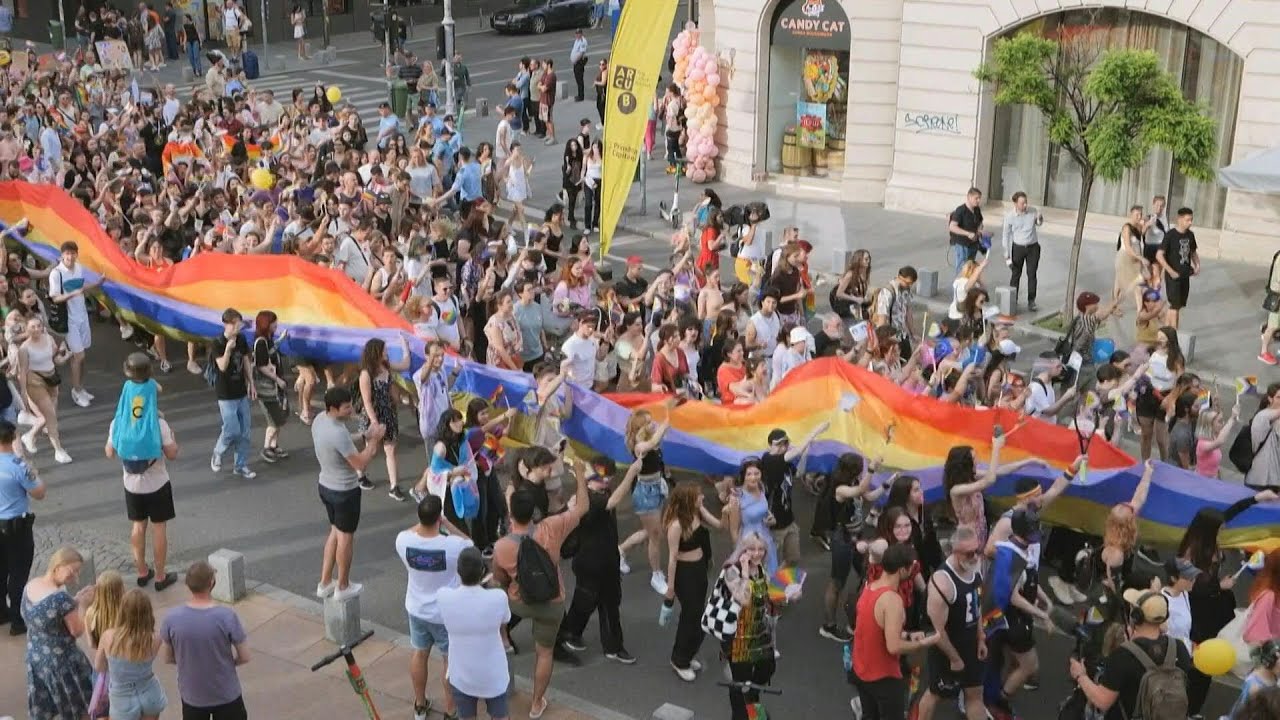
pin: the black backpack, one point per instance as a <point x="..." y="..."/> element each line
<point x="1242" y="452"/>
<point x="536" y="573"/>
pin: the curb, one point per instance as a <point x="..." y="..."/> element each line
<point x="399" y="639"/>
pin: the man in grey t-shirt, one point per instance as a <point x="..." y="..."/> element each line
<point x="207" y="643"/>
<point x="341" y="468"/>
<point x="1264" y="434"/>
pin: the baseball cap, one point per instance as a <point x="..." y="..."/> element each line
<point x="777" y="435"/>
<point x="1009" y="347"/>
<point x="1185" y="569"/>
<point x="635" y="260"/>
<point x="1153" y="604"/>
<point x="798" y="335"/>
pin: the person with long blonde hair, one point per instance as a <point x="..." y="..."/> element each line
<point x="688" y="560"/>
<point x="644" y="439"/>
<point x="127" y="654"/>
<point x="101" y="615"/>
<point x="59" y="676"/>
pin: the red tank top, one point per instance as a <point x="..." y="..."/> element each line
<point x="871" y="657"/>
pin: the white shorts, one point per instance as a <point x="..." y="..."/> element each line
<point x="78" y="336"/>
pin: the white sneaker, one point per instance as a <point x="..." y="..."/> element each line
<point x="1061" y="591"/>
<point x="61" y="456"/>
<point x="856" y="706"/>
<point x="685" y="674"/>
<point x="194" y="368"/>
<point x="623" y="567"/>
<point x="26" y="418"/>
<point x="29" y="443"/>
<point x="87" y="395"/>
<point x="349" y="591"/>
<point x="78" y="397"/>
<point x="126" y="332"/>
<point x="1076" y="594"/>
<point x="658" y="582"/>
<point x="695" y="666"/>
<point x="324" y="591"/>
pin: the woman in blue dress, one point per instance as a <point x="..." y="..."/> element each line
<point x="748" y="510"/>
<point x="59" y="676"/>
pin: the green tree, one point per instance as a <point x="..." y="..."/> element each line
<point x="1106" y="108"/>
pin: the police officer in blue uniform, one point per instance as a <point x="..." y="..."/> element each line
<point x="19" y="484"/>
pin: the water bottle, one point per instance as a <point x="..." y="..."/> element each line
<point x="848" y="657"/>
<point x="665" y="612"/>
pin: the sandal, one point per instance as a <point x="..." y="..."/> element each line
<point x="535" y="712"/>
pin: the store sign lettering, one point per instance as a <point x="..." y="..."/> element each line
<point x="931" y="123"/>
<point x="808" y="25"/>
<point x="813" y="25"/>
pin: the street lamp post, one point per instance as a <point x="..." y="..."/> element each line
<point x="448" y="61"/>
<point x="263" y="25"/>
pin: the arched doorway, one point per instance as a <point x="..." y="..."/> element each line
<point x="1023" y="158"/>
<point x="806" y="99"/>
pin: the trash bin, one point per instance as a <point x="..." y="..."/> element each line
<point x="399" y="98"/>
<point x="57" y="38"/>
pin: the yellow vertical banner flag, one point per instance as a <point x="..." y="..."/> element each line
<point x="635" y="64"/>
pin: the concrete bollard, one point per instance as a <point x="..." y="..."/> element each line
<point x="188" y="75"/>
<point x="926" y="282"/>
<point x="672" y="712"/>
<point x="1188" y="343"/>
<point x="342" y="619"/>
<point x="88" y="574"/>
<point x="1007" y="300"/>
<point x="228" y="572"/>
<point x="562" y="90"/>
<point x="482" y="107"/>
<point x="307" y="49"/>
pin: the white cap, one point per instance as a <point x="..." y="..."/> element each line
<point x="798" y="335"/>
<point x="1009" y="347"/>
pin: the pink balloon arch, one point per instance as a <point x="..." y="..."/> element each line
<point x="697" y="73"/>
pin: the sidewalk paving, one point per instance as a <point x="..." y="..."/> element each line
<point x="286" y="635"/>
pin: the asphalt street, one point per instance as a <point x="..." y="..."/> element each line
<point x="276" y="520"/>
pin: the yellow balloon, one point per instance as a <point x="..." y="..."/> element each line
<point x="333" y="93"/>
<point x="1214" y="657"/>
<point x="261" y="178"/>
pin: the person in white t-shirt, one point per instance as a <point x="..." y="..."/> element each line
<point x="67" y="288"/>
<point x="1043" y="401"/>
<point x="473" y="617"/>
<point x="431" y="560"/>
<point x="580" y="350"/>
<point x="445" y="322"/>
<point x="796" y="353"/>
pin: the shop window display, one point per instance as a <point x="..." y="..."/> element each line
<point x="807" y="97"/>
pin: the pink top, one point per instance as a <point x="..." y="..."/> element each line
<point x="1207" y="461"/>
<point x="1263" y="620"/>
<point x="972" y="511"/>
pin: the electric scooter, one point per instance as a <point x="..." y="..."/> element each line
<point x="354" y="675"/>
<point x="672" y="213"/>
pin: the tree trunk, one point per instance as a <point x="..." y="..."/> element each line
<point x="1069" y="304"/>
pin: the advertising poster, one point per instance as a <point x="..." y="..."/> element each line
<point x="811" y="125"/>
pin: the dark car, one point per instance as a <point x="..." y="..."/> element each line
<point x="538" y="16"/>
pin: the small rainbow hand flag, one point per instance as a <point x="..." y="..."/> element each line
<point x="1204" y="400"/>
<point x="785" y="581"/>
<point x="1253" y="564"/>
<point x="1247" y="385"/>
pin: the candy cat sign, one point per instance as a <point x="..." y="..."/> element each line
<point x="814" y="24"/>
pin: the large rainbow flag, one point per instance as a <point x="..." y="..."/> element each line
<point x="329" y="318"/>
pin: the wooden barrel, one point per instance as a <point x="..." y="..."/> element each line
<point x="820" y="162"/>
<point x="795" y="159"/>
<point x="835" y="143"/>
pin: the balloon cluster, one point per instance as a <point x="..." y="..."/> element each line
<point x="698" y="74"/>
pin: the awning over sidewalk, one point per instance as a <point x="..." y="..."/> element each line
<point x="1258" y="173"/>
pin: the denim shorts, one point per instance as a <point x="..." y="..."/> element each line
<point x="144" y="699"/>
<point x="423" y="635"/>
<point x="469" y="707"/>
<point x="646" y="496"/>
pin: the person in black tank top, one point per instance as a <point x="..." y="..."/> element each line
<point x="688" y="563"/>
<point x="956" y="663"/>
<point x="840" y="518"/>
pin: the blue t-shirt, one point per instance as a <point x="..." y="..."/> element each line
<point x="516" y="102"/>
<point x="15" y="481"/>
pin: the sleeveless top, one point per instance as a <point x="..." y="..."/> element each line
<point x="124" y="676"/>
<point x="872" y="660"/>
<point x="40" y="356"/>
<point x="699" y="540"/>
<point x="963" y="612"/>
<point x="652" y="463"/>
